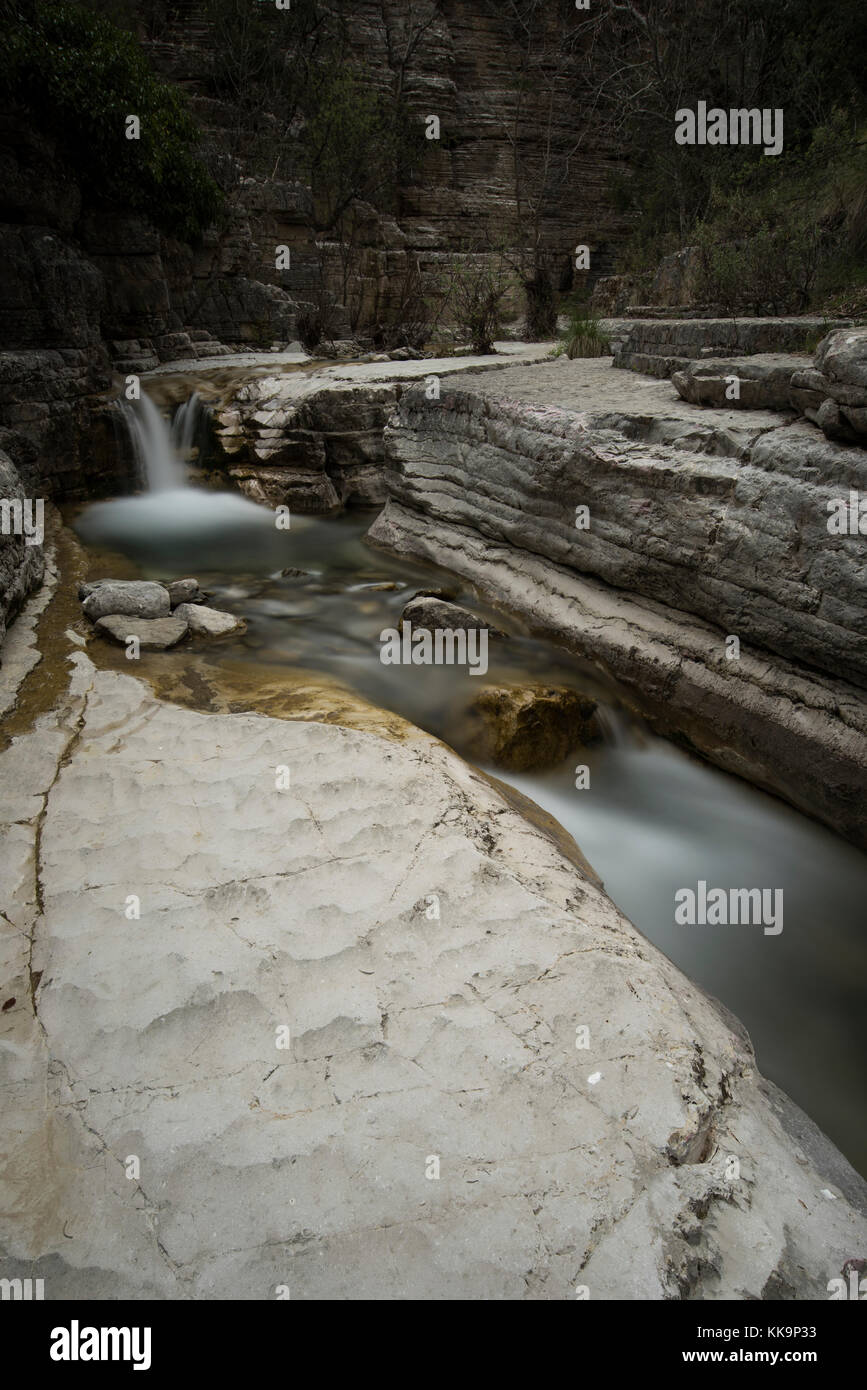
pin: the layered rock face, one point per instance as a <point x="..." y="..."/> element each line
<point x="833" y="393"/>
<point x="692" y="532"/>
<point x="660" y="346"/>
<point x="22" y="560"/>
<point x="337" y="1051"/>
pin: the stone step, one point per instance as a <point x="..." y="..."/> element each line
<point x="659" y="346"/>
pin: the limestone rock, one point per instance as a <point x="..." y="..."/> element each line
<point x="154" y="634"/>
<point x="184" y="591"/>
<point x="208" y="622"/>
<point x="22" y="560"/>
<point x="833" y="394"/>
<point x="434" y="614"/>
<point x="659" y="346"/>
<point x="526" y="728"/>
<point x="304" y="910"/>
<point x="764" y="381"/>
<point x="134" y="598"/>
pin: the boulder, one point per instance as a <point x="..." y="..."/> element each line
<point x="301" y="916"/>
<point x="134" y="598"/>
<point x="527" y="728"/>
<point x="435" y="614"/>
<point x="154" y="634"/>
<point x="184" y="591"/>
<point x="208" y="622"/>
<point x="833" y="393"/>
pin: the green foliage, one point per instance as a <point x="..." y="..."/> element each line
<point x="356" y="138"/>
<point x="583" y="337"/>
<point x="804" y="211"/>
<point x="77" y="76"/>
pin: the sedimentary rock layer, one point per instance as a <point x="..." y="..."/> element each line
<point x="337" y="1049"/>
<point x="697" y="530"/>
<point x="739" y="538"/>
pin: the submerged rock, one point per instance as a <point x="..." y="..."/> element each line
<point x="136" y="598"/>
<point x="154" y="634"/>
<point x="526" y="728"/>
<point x="208" y="622"/>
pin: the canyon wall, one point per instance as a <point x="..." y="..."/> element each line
<point x="699" y="528"/>
<point x="87" y="292"/>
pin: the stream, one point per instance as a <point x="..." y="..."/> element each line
<point x="653" y="819"/>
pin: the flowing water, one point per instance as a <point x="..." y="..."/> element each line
<point x="652" y="820"/>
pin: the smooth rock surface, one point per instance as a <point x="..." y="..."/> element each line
<point x="301" y="916"/>
<point x="207" y="622"/>
<point x="154" y="634"/>
<point x="433" y="614"/>
<point x="136" y="598"/>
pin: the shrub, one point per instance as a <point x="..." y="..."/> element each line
<point x="584" y="337"/>
<point x="78" y="76"/>
<point x="479" y="284"/>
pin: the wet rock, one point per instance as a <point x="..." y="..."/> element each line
<point x="154" y="634"/>
<point x="435" y="614"/>
<point x="184" y="591"/>
<point x="208" y="622"/>
<point x="527" y="728"/>
<point x="275" y="487"/>
<point x="135" y="598"/>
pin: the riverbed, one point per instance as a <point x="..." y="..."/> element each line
<point x="652" y="820"/>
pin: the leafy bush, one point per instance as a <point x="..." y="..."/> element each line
<point x="78" y="76"/>
<point x="584" y="337"/>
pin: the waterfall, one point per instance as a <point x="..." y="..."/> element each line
<point x="172" y="524"/>
<point x="160" y="466"/>
<point x="189" y="425"/>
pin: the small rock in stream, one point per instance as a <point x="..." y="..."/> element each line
<point x="208" y="622"/>
<point x="184" y="591"/>
<point x="135" y="598"/>
<point x="154" y="634"/>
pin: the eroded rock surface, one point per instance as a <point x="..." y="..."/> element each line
<point x="303" y="916"/>
<point x="833" y="392"/>
<point x="643" y="531"/>
<point x="22" y="560"/>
